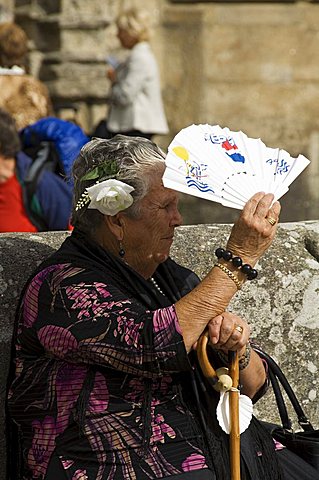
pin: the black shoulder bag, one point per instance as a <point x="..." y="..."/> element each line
<point x="304" y="443"/>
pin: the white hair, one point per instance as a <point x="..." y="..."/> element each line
<point x="137" y="161"/>
<point x="135" y="22"/>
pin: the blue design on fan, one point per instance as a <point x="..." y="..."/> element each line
<point x="203" y="187"/>
<point x="282" y="165"/>
<point x="228" y="145"/>
<point x="236" y="157"/>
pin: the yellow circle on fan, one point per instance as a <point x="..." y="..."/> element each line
<point x="181" y="152"/>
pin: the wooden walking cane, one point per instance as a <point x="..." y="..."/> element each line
<point x="221" y="381"/>
<point x="219" y="378"/>
<point x="234" y="440"/>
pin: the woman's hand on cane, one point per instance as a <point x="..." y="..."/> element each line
<point x="228" y="332"/>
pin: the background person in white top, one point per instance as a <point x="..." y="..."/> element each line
<point x="136" y="106"/>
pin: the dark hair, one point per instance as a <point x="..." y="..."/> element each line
<point x="136" y="161"/>
<point x="10" y="143"/>
<point x="13" y="45"/>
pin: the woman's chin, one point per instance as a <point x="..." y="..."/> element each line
<point x="160" y="257"/>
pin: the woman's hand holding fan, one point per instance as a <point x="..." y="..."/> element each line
<point x="255" y="228"/>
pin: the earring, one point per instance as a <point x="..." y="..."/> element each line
<point x="121" y="251"/>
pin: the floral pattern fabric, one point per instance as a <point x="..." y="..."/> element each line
<point x="87" y="353"/>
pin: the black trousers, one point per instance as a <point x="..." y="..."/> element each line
<point x="101" y="131"/>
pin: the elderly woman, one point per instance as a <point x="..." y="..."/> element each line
<point x="107" y="384"/>
<point x="135" y="101"/>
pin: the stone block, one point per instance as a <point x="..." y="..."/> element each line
<point x="45" y="32"/>
<point x="250" y="14"/>
<point x="89" y="46"/>
<point x="260" y="53"/>
<point x="38" y="7"/>
<point x="239" y="106"/>
<point x="183" y="66"/>
<point x="76" y="81"/>
<point x="82" y="12"/>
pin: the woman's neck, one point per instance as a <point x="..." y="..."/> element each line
<point x="145" y="267"/>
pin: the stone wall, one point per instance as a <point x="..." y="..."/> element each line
<point x="282" y="306"/>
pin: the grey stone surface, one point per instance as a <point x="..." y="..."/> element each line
<point x="282" y="306"/>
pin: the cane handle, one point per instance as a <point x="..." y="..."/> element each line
<point x="220" y="379"/>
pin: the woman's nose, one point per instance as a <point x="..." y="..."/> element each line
<point x="177" y="218"/>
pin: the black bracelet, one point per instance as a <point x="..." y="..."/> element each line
<point x="227" y="255"/>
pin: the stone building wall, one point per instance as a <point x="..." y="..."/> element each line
<point x="250" y="66"/>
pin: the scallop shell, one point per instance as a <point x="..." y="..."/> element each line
<point x="245" y="412"/>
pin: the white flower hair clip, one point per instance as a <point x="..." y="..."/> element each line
<point x="108" y="197"/>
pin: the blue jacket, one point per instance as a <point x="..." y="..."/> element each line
<point x="53" y="197"/>
<point x="67" y="137"/>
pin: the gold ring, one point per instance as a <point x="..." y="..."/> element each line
<point x="239" y="328"/>
<point x="271" y="220"/>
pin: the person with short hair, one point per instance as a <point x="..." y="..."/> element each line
<point x="52" y="199"/>
<point x="135" y="101"/>
<point x="26" y="98"/>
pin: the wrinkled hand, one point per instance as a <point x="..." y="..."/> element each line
<point x="228" y="332"/>
<point x="252" y="233"/>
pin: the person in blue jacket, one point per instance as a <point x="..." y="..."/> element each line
<point x="33" y="198"/>
<point x="67" y="137"/>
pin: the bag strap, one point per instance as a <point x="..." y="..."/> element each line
<point x="278" y="380"/>
<point x="30" y="184"/>
<point x="283" y="412"/>
<point x="35" y="169"/>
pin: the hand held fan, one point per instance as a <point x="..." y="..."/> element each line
<point x="227" y="167"/>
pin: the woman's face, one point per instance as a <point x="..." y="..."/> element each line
<point x="148" y="239"/>
<point x="127" y="40"/>
<point x="7" y="167"/>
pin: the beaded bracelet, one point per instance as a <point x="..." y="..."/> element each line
<point x="243" y="361"/>
<point x="230" y="274"/>
<point x="227" y="255"/>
